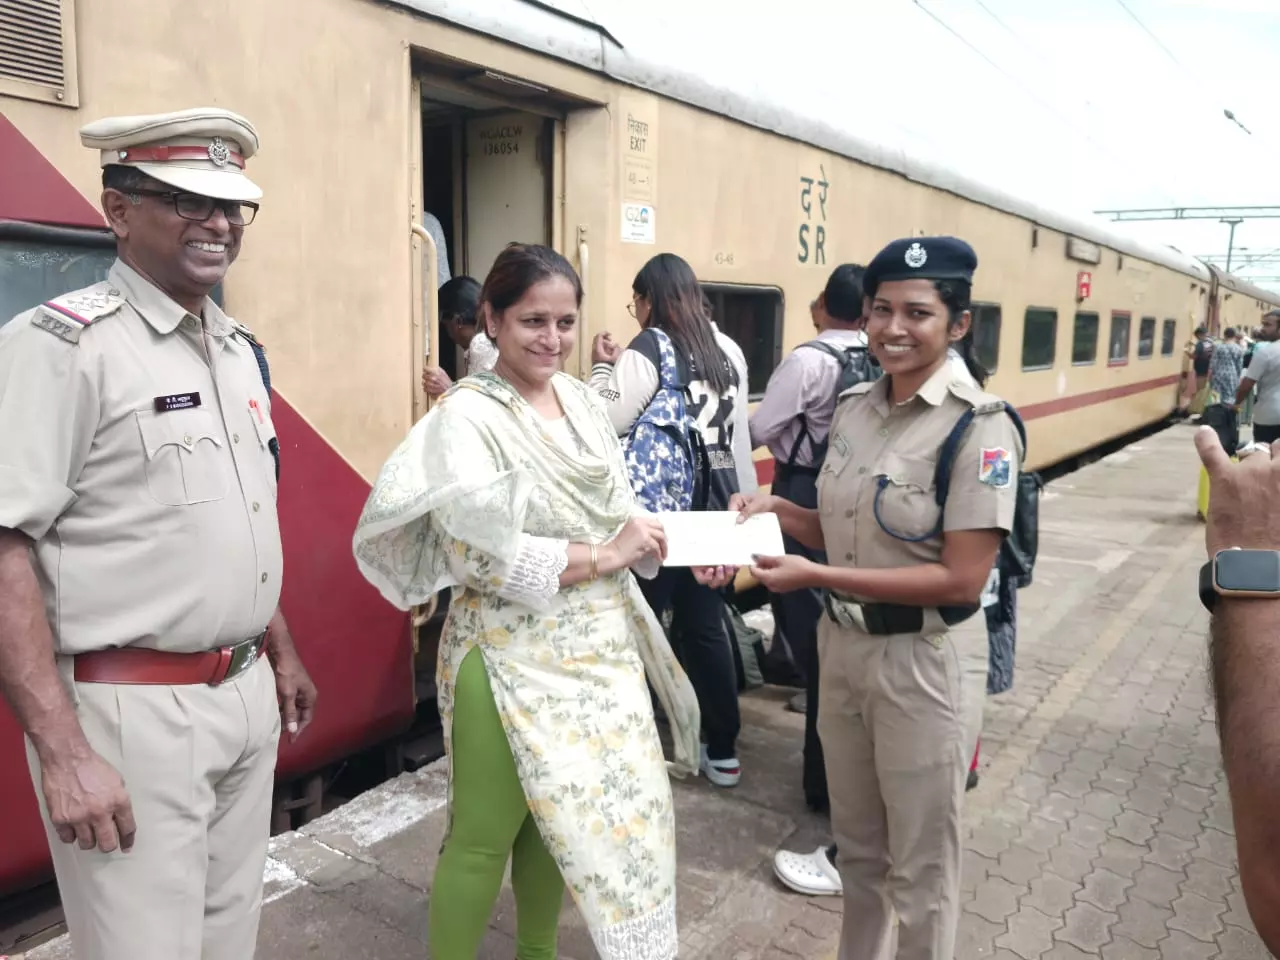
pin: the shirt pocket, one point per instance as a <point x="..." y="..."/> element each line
<point x="904" y="498"/>
<point x="184" y="462"/>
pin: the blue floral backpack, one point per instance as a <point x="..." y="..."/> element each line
<point x="665" y="455"/>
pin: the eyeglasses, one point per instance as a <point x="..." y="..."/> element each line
<point x="193" y="206"/>
<point x="631" y="309"/>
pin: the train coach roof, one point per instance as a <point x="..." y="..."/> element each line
<point x="567" y="30"/>
<point x="1244" y="287"/>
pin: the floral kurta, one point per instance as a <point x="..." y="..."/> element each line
<point x="481" y="497"/>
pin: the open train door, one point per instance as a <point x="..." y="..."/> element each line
<point x="492" y="162"/>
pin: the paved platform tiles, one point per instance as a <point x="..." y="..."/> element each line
<point x="1101" y="827"/>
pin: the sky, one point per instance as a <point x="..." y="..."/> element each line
<point x="1083" y="105"/>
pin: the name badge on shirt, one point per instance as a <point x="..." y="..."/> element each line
<point x="841" y="445"/>
<point x="177" y="401"/>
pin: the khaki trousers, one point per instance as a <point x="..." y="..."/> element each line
<point x="899" y="719"/>
<point x="199" y="764"/>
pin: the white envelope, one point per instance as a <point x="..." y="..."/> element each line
<point x="715" y="539"/>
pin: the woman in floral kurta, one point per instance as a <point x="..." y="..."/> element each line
<point x="495" y="494"/>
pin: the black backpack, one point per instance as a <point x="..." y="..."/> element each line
<point x="1017" y="556"/>
<point x="1203" y="353"/>
<point x="857" y="365"/>
<point x="1223" y="419"/>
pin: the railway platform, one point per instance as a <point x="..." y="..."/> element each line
<point x="1101" y="827"/>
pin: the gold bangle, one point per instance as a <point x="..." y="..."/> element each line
<point x="595" y="562"/>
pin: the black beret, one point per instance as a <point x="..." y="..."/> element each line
<point x="921" y="258"/>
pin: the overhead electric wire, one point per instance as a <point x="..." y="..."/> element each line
<point x="1201" y="87"/>
<point x="1143" y="176"/>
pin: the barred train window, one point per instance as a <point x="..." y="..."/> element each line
<point x="1039" y="338"/>
<point x="986" y="334"/>
<point x="40" y="263"/>
<point x="1119" y="352"/>
<point x="1167" y="338"/>
<point x="1084" y="340"/>
<point x="751" y="316"/>
<point x="1147" y="338"/>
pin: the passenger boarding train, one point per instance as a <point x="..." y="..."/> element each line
<point x="510" y="120"/>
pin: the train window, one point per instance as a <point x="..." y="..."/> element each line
<point x="1167" y="338"/>
<point x="1119" y="352"/>
<point x="986" y="334"/>
<point x="1084" y="339"/>
<point x="38" y="263"/>
<point x="751" y="316"/>
<point x="1147" y="338"/>
<point x="1039" y="338"/>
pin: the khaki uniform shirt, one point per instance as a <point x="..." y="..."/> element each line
<point x="152" y="528"/>
<point x="871" y="438"/>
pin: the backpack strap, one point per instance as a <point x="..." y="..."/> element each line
<point x="951" y="449"/>
<point x="668" y="372"/>
<point x="264" y="371"/>
<point x="836" y="354"/>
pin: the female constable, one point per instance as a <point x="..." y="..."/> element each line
<point x="902" y="646"/>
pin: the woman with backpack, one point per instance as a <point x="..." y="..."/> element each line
<point x="677" y="395"/>
<point x="903" y="643"/>
<point x="513" y="491"/>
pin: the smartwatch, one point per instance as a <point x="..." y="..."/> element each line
<point x="1240" y="573"/>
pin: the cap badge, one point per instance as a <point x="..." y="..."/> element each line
<point x="916" y="256"/>
<point x="219" y="153"/>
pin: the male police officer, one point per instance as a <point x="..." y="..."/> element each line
<point x="140" y="560"/>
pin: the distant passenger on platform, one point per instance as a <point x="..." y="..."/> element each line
<point x="1200" y="352"/>
<point x="792" y="422"/>
<point x="513" y="490"/>
<point x="905" y="659"/>
<point x="1264" y="374"/>
<point x="142" y="646"/>
<point x="679" y="349"/>
<point x="459" y="324"/>
<point x="1225" y="367"/>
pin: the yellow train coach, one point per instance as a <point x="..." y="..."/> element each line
<point x="508" y="120"/>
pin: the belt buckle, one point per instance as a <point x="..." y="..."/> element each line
<point x="848" y="613"/>
<point x="243" y="656"/>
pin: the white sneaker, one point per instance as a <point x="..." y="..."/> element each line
<point x="809" y="873"/>
<point x="722" y="773"/>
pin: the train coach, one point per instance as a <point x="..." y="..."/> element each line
<point x="510" y="120"/>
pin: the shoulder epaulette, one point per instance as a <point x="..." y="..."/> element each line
<point x="245" y="332"/>
<point x="982" y="402"/>
<point x="68" y="316"/>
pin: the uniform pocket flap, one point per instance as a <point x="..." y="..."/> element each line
<point x="181" y="428"/>
<point x="907" y="471"/>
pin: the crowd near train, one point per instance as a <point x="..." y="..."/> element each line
<point x="360" y="405"/>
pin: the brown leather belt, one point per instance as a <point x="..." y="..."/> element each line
<point x="136" y="665"/>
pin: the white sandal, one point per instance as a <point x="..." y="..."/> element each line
<point x="723" y="773"/>
<point x="811" y="874"/>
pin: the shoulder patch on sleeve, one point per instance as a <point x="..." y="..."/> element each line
<point x="995" y="466"/>
<point x="68" y="316"/>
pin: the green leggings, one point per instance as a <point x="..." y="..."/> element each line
<point x="490" y="822"/>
